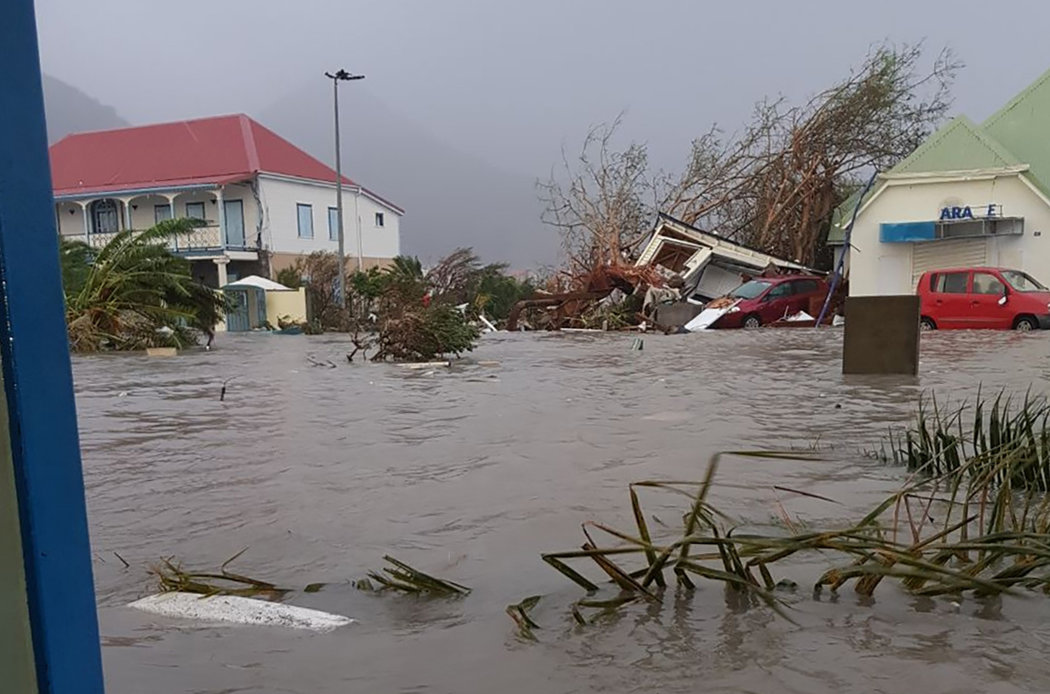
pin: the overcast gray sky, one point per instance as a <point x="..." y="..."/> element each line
<point x="512" y="81"/>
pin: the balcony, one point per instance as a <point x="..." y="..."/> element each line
<point x="206" y="240"/>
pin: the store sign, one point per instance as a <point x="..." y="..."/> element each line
<point x="971" y="212"/>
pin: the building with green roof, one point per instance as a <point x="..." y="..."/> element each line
<point x="970" y="195"/>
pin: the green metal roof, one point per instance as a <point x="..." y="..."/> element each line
<point x="1023" y="127"/>
<point x="958" y="146"/>
<point x="1019" y="133"/>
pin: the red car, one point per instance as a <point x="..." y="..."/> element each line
<point x="982" y="297"/>
<point x="768" y="299"/>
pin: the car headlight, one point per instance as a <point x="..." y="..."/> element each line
<point x="733" y="309"/>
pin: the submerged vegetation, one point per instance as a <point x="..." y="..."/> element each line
<point x="133" y="293"/>
<point x="974" y="518"/>
<point x="399" y="576"/>
<point x="172" y="577"/>
<point x="987" y="539"/>
<point x="977" y="440"/>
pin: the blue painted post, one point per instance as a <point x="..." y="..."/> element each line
<point x="840" y="265"/>
<point x="38" y="381"/>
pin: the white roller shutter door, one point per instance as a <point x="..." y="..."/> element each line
<point x="936" y="255"/>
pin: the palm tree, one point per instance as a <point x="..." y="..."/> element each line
<point x="134" y="293"/>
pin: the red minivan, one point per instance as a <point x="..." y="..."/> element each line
<point x="767" y="299"/>
<point x="982" y="297"/>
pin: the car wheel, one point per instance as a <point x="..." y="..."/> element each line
<point x="927" y="324"/>
<point x="1024" y="325"/>
<point x="752" y="321"/>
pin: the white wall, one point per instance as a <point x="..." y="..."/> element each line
<point x="143" y="215"/>
<point x="249" y="204"/>
<point x="885" y="268"/>
<point x="70" y="216"/>
<point x="280" y="222"/>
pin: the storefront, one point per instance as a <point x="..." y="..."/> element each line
<point x="970" y="195"/>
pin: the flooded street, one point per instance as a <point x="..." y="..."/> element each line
<point x="471" y="473"/>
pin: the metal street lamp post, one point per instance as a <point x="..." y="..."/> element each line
<point x="337" y="77"/>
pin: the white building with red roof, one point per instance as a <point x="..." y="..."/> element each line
<point x="265" y="201"/>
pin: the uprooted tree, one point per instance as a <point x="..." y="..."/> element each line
<point x="774" y="185"/>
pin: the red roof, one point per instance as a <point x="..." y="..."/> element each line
<point x="223" y="149"/>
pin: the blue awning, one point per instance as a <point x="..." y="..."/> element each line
<point x="906" y="232"/>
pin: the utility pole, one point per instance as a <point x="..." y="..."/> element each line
<point x="337" y="77"/>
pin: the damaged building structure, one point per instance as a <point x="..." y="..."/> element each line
<point x="710" y="266"/>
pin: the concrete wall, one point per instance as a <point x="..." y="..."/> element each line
<point x="286" y="303"/>
<point x="280" y="221"/>
<point x="877" y="268"/>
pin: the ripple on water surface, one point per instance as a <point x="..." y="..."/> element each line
<point x="472" y="472"/>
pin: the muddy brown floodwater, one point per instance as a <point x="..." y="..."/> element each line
<point x="471" y="473"/>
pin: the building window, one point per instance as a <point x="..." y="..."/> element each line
<point x="306" y="220"/>
<point x="161" y="213"/>
<point x="379" y="219"/>
<point x="195" y="210"/>
<point x="105" y="217"/>
<point x="333" y="224"/>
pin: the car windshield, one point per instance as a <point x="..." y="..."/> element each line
<point x="750" y="290"/>
<point x="1022" y="282"/>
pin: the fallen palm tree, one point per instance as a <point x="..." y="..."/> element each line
<point x="134" y="293"/>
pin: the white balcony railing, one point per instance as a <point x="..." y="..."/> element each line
<point x="206" y="238"/>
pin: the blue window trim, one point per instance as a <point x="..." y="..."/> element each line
<point x="38" y="381"/>
<point x="333" y="223"/>
<point x="299" y="207"/>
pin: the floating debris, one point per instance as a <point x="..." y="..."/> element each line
<point x="222" y="393"/>
<point x="323" y="363"/>
<point x="172" y="578"/>
<point x="520" y="614"/>
<point x="419" y="365"/>
<point x="409" y="580"/>
<point x="232" y="609"/>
